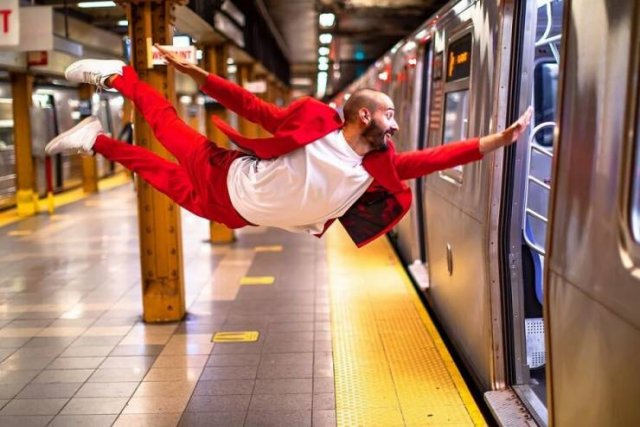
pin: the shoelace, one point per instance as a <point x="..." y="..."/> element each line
<point x="94" y="79"/>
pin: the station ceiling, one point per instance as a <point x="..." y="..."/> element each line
<point x="362" y="32"/>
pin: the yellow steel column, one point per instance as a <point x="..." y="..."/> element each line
<point x="215" y="61"/>
<point x="159" y="218"/>
<point x="26" y="197"/>
<point x="260" y="131"/>
<point x="89" y="163"/>
<point x="245" y="74"/>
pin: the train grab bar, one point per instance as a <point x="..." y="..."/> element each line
<point x="528" y="211"/>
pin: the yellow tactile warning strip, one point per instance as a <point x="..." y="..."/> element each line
<point x="239" y="336"/>
<point x="11" y="215"/>
<point x="273" y="248"/>
<point x="257" y="280"/>
<point x="391" y="366"/>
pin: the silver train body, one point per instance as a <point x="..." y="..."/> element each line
<point x="54" y="110"/>
<point x="529" y="258"/>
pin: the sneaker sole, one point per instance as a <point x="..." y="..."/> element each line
<point x="51" y="149"/>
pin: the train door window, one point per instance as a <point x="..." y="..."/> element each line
<point x="456" y="94"/>
<point x="456" y="118"/>
<point x="544" y="99"/>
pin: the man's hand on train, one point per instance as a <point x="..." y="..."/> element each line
<point x="515" y="130"/>
<point x="509" y="135"/>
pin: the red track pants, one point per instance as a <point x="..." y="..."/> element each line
<point x="198" y="182"/>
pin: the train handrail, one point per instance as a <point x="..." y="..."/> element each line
<point x="545" y="39"/>
<point x="547" y="29"/>
<point x="528" y="212"/>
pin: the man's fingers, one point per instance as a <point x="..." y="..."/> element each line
<point x="167" y="55"/>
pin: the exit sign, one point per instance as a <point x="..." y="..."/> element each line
<point x="9" y="23"/>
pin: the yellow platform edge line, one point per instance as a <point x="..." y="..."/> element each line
<point x="347" y="413"/>
<point x="11" y="216"/>
<point x="456" y="376"/>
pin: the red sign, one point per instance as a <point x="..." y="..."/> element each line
<point x="37" y="58"/>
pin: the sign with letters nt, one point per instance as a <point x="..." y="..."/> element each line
<point x="9" y="23"/>
<point x="186" y="53"/>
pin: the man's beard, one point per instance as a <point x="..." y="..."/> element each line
<point x="375" y="136"/>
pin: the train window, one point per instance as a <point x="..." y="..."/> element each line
<point x="456" y="117"/>
<point x="545" y="90"/>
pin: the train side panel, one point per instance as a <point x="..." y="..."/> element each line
<point x="594" y="285"/>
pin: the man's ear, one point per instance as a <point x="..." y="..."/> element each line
<point x="364" y="115"/>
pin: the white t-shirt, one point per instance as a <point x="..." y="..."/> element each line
<point x="301" y="190"/>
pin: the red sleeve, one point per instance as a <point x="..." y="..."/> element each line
<point x="243" y="102"/>
<point x="414" y="164"/>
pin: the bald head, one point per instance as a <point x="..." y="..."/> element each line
<point x="369" y="121"/>
<point x="362" y="98"/>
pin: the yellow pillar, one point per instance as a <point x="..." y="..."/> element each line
<point x="89" y="163"/>
<point x="215" y="61"/>
<point x="159" y="218"/>
<point x="26" y="197"/>
<point x="245" y="74"/>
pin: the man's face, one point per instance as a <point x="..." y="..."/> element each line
<point x="382" y="124"/>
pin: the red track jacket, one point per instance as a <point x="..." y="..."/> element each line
<point x="305" y="120"/>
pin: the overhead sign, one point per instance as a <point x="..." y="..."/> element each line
<point x="36" y="29"/>
<point x="9" y="23"/>
<point x="186" y="53"/>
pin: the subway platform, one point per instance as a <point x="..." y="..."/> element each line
<point x="282" y="330"/>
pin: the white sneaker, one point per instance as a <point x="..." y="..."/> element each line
<point x="79" y="138"/>
<point x="93" y="71"/>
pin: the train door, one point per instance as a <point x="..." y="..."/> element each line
<point x="102" y="111"/>
<point x="457" y="202"/>
<point x="525" y="248"/>
<point x="55" y="110"/>
<point x="43" y="130"/>
<point x="592" y="295"/>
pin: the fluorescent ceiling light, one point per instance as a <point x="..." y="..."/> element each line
<point x="325" y="38"/>
<point x="301" y="81"/>
<point x="323" y="60"/>
<point x="321" y="88"/>
<point x="327" y="20"/>
<point x="323" y="50"/>
<point x="123" y="23"/>
<point x="323" y="67"/>
<point x="90" y="4"/>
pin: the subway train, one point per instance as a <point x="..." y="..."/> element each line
<point x="529" y="258"/>
<point x="55" y="108"/>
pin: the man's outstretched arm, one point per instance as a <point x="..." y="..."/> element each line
<point x="229" y="94"/>
<point x="415" y="164"/>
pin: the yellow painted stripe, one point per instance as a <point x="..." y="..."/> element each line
<point x="20" y="233"/>
<point x="236" y="336"/>
<point x="257" y="280"/>
<point x="11" y="216"/>
<point x="273" y="248"/>
<point x="390" y="365"/>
